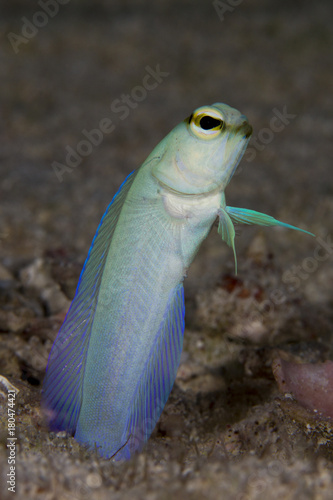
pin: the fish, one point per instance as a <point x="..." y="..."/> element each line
<point x="114" y="361"/>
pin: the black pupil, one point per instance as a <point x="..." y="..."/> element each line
<point x="207" y="122"/>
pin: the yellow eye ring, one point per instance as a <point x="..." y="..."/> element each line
<point x="206" y="123"/>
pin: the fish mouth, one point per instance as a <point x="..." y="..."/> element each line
<point x="244" y="129"/>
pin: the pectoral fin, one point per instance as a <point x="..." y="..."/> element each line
<point x="231" y="215"/>
<point x="246" y="216"/>
<point x="227" y="231"/>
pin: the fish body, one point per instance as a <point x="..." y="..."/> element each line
<point x="115" y="359"/>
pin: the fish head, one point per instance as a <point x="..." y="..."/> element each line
<point x="201" y="154"/>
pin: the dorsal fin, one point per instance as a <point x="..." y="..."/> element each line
<point x="62" y="388"/>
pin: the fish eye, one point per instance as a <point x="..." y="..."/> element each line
<point x="206" y="123"/>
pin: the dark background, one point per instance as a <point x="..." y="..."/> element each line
<point x="263" y="55"/>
